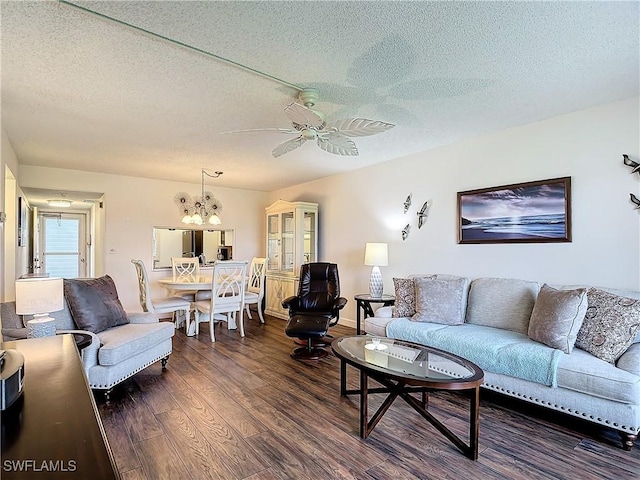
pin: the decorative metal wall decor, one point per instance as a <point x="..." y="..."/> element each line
<point x="407" y="203"/>
<point x="635" y="166"/>
<point x="423" y="213"/>
<point x="531" y="212"/>
<point x="405" y="231"/>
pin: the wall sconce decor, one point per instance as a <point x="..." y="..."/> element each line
<point x="200" y="210"/>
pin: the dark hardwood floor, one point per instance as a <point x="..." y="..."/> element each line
<point x="241" y="408"/>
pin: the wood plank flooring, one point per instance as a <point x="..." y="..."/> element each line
<point x="241" y="408"/>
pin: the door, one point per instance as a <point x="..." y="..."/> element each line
<point x="63" y="241"/>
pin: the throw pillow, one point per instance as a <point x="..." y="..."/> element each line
<point x="405" y="304"/>
<point x="440" y="301"/>
<point x="504" y="303"/>
<point x="94" y="303"/>
<point x="557" y="316"/>
<point x="610" y="325"/>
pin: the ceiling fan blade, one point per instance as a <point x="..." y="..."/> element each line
<point x="280" y="130"/>
<point x="359" y="127"/>
<point x="286" y="147"/>
<point x="336" y="143"/>
<point x="303" y="116"/>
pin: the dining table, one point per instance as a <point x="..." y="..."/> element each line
<point x="187" y="283"/>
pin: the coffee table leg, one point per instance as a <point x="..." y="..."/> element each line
<point x="343" y="378"/>
<point x="364" y="414"/>
<point x="474" y="423"/>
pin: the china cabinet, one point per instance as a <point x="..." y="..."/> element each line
<point x="292" y="240"/>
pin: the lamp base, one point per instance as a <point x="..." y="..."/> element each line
<point x="375" y="283"/>
<point x="41" y="326"/>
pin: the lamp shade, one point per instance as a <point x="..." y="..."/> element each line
<point x="39" y="295"/>
<point x="376" y="254"/>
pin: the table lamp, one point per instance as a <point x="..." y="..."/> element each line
<point x="376" y="255"/>
<point x="38" y="297"/>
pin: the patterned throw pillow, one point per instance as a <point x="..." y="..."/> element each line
<point x="610" y="325"/>
<point x="405" y="304"/>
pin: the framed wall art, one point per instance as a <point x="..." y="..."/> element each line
<point x="531" y="212"/>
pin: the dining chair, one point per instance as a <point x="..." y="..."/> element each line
<point x="255" y="286"/>
<point x="185" y="267"/>
<point x="171" y="304"/>
<point x="227" y="297"/>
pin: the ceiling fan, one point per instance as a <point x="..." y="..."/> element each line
<point x="309" y="124"/>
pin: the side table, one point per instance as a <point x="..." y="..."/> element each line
<point x="364" y="301"/>
<point x="82" y="340"/>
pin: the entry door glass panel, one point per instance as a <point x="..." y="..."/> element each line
<point x="63" y="237"/>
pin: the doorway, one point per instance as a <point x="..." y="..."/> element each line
<point x="63" y="245"/>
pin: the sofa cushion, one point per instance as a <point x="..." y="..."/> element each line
<point x="584" y="373"/>
<point x="557" y="316"/>
<point x="94" y="303"/>
<point x="610" y="324"/>
<point x="440" y="300"/>
<point x="125" y="341"/>
<point x="630" y="360"/>
<point x="405" y="304"/>
<point x="376" y="325"/>
<point x="502" y="303"/>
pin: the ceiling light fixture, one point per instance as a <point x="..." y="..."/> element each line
<point x="200" y="210"/>
<point x="61" y="202"/>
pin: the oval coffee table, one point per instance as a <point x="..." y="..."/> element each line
<point x="404" y="368"/>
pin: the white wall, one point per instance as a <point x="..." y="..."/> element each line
<point x="132" y="206"/>
<point x="10" y="254"/>
<point x="367" y="205"/>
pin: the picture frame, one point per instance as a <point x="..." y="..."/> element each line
<point x="22" y="222"/>
<point x="530" y="212"/>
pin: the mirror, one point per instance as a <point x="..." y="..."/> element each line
<point x="210" y="245"/>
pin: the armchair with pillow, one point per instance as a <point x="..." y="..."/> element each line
<point x="122" y="344"/>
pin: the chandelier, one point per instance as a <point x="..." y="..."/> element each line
<point x="200" y="210"/>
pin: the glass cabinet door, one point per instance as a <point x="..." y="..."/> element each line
<point x="288" y="251"/>
<point x="273" y="242"/>
<point x="309" y="255"/>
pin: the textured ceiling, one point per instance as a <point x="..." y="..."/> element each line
<point x="83" y="92"/>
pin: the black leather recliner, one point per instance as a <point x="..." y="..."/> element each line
<point x="315" y="308"/>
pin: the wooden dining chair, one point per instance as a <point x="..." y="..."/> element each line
<point x="254" y="293"/>
<point x="227" y="297"/>
<point x="172" y="304"/>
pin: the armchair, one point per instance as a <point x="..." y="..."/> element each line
<point x="315" y="308"/>
<point x="116" y="352"/>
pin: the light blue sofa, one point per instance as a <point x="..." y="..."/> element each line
<point x="494" y="335"/>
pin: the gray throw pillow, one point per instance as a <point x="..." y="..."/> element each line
<point x="557" y="317"/>
<point x="440" y="301"/>
<point x="405" y="304"/>
<point x="610" y="325"/>
<point x="504" y="303"/>
<point x="94" y="303"/>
